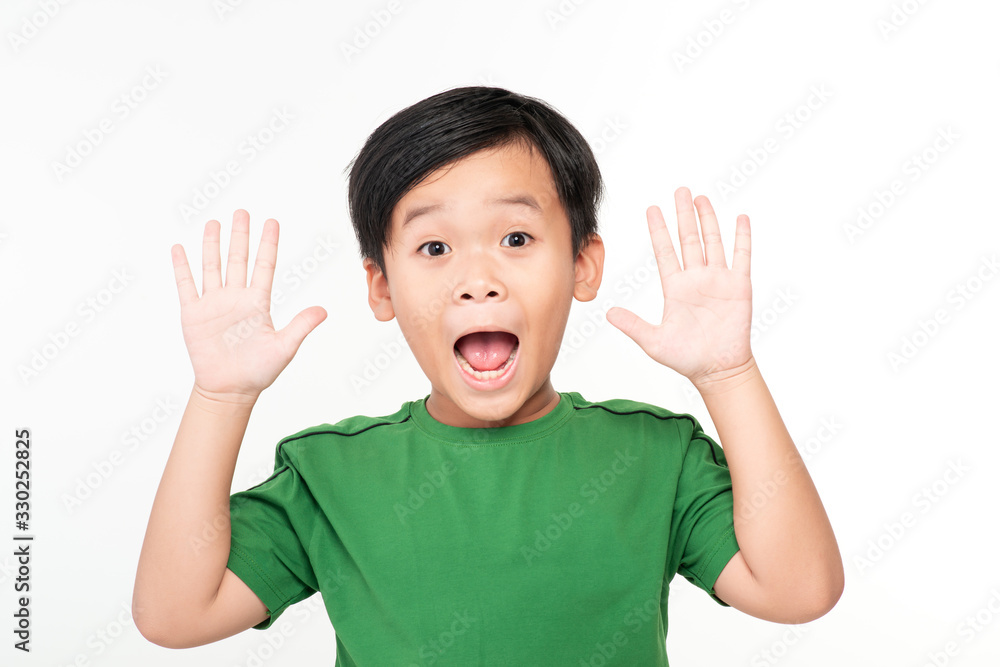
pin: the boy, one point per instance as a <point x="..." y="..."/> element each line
<point x="497" y="521"/>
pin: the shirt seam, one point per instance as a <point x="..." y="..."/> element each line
<point x="719" y="543"/>
<point x="332" y="431"/>
<point x="259" y="571"/>
<point x="502" y="442"/>
<point x="694" y="423"/>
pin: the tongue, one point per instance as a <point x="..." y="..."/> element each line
<point x="486" y="350"/>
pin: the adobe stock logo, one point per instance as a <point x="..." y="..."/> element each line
<point x="924" y="500"/>
<point x="968" y="629"/>
<point x="428" y="486"/>
<point x="899" y="16"/>
<point x="363" y="35"/>
<point x="121" y="108"/>
<point x="787" y="126"/>
<point x="218" y="179"/>
<point x="32" y="25"/>
<point x="59" y="340"/>
<point x="712" y="30"/>
<point x="913" y="168"/>
<point x="593" y="489"/>
<point x="922" y="335"/>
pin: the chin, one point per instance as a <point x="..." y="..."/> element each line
<point x="491" y="408"/>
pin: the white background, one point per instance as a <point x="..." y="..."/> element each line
<point x="830" y="307"/>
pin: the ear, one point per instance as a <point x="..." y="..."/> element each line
<point x="589" y="269"/>
<point x="378" y="291"/>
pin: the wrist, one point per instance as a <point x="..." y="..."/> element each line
<point x="216" y="401"/>
<point x="721" y="382"/>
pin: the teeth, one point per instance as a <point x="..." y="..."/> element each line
<point x="486" y="375"/>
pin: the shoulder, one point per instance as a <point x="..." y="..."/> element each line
<point x="639" y="421"/>
<point x="346" y="430"/>
<point x="676" y="436"/>
<point x="621" y="409"/>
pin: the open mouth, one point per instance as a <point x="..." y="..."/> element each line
<point x="486" y="355"/>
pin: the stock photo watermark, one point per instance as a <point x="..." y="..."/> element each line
<point x="970" y="627"/>
<point x="899" y="15"/>
<point x="247" y="151"/>
<point x="912" y="169"/>
<point x="779" y="648"/>
<point x="101" y="471"/>
<point x="101" y="640"/>
<point x="787" y="126"/>
<point x="709" y="33"/>
<point x="32" y="24"/>
<point x="374" y="366"/>
<point x="633" y="621"/>
<point x="761" y="322"/>
<point x="430" y="482"/>
<point x="87" y="310"/>
<point x="928" y="328"/>
<point x="592" y="490"/>
<point x="23" y="540"/>
<point x="122" y="107"/>
<point x="296" y="616"/>
<point x="435" y="647"/>
<point x="292" y="279"/>
<point x="927" y="498"/>
<point x="223" y="8"/>
<point x="369" y="31"/>
<point x="377" y="363"/>
<point x="562" y="12"/>
<point x="610" y="133"/>
<point x="594" y="318"/>
<point x="768" y="489"/>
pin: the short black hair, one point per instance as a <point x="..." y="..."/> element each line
<point x="453" y="124"/>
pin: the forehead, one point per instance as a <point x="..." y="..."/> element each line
<point x="511" y="177"/>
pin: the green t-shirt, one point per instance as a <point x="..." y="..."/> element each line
<point x="546" y="543"/>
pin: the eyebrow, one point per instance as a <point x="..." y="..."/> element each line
<point x="523" y="200"/>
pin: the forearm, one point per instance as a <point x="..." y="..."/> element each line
<point x="782" y="528"/>
<point x="186" y="547"/>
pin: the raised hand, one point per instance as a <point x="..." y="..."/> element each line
<point x="704" y="333"/>
<point x="234" y="349"/>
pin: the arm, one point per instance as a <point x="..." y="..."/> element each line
<point x="789" y="568"/>
<point x="184" y="594"/>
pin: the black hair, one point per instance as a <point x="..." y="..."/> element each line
<point x="453" y="124"/>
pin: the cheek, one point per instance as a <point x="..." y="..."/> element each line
<point x="419" y="318"/>
<point x="550" y="308"/>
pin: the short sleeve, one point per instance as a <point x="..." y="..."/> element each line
<point x="702" y="529"/>
<point x="266" y="550"/>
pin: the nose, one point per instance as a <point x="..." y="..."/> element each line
<point x="479" y="280"/>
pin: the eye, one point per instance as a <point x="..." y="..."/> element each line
<point x="515" y="240"/>
<point x="434" y="249"/>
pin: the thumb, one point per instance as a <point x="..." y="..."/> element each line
<point x="632" y="326"/>
<point x="301" y="326"/>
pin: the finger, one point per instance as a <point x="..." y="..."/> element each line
<point x="267" y="257"/>
<point x="239" y="249"/>
<point x="663" y="248"/>
<point x="633" y="326"/>
<point x="186" y="289"/>
<point x="687" y="229"/>
<point x="741" y="250"/>
<point x="301" y="326"/>
<point x="211" y="265"/>
<point x="715" y="253"/>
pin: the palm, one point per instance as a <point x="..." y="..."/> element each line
<point x="705" y="327"/>
<point x="228" y="329"/>
<point x="231" y="340"/>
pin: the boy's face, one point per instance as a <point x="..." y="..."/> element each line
<point x="471" y="266"/>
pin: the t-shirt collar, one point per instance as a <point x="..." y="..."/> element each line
<point x="503" y="435"/>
